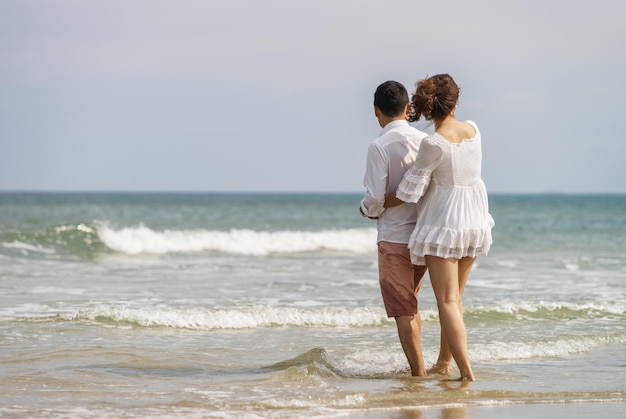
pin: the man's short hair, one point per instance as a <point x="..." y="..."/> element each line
<point x="391" y="98"/>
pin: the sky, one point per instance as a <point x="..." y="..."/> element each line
<point x="276" y="95"/>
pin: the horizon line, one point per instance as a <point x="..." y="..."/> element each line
<point x="267" y="192"/>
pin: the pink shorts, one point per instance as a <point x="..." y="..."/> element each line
<point x="400" y="280"/>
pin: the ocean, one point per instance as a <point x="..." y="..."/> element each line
<point x="267" y="306"/>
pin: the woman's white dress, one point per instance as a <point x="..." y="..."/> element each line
<point x="453" y="219"/>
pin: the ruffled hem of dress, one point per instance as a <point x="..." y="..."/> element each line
<point x="447" y="243"/>
<point x="412" y="187"/>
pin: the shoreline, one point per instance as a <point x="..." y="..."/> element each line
<point x="605" y="409"/>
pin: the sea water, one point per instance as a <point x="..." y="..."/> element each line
<point x="268" y="305"/>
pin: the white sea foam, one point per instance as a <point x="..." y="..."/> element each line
<point x="141" y="239"/>
<point x="25" y="247"/>
<point x="236" y="318"/>
<point x="314" y="314"/>
<point x="27" y="310"/>
<point x="371" y="362"/>
<point x="391" y="360"/>
<point x="529" y="349"/>
<point x="599" y="309"/>
<point x="57" y="290"/>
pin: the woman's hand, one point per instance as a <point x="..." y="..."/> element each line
<point x="391" y="200"/>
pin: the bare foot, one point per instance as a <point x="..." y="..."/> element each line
<point x="440" y="368"/>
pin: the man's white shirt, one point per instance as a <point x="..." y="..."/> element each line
<point x="388" y="158"/>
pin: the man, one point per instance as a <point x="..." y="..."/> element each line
<point x="389" y="156"/>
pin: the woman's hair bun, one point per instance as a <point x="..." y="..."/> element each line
<point x="434" y="98"/>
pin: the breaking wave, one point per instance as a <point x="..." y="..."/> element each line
<point x="141" y="239"/>
<point x="86" y="240"/>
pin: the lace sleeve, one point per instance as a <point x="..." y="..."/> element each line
<point x="417" y="178"/>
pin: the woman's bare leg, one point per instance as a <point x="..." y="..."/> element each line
<point x="442" y="366"/>
<point x="445" y="278"/>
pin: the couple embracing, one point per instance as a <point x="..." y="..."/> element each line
<point x="430" y="203"/>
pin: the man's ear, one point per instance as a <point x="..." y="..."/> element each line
<point x="376" y="112"/>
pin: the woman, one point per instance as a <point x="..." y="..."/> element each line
<point x="453" y="223"/>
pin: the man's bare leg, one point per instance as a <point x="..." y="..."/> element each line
<point x="410" y="331"/>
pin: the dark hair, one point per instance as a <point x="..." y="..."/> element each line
<point x="435" y="98"/>
<point x="391" y="98"/>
